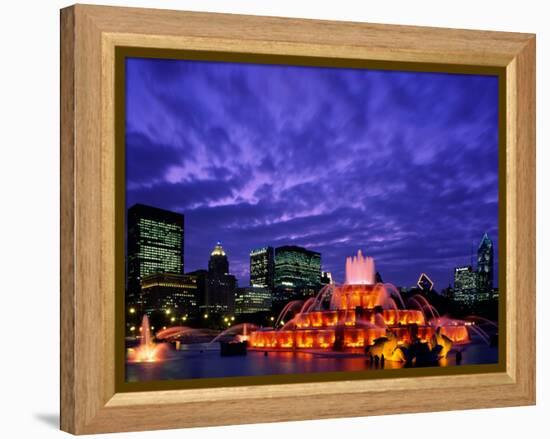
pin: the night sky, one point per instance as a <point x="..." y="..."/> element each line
<point x="401" y="165"/>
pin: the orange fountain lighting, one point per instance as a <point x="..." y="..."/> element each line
<point x="147" y="351"/>
<point x="361" y="313"/>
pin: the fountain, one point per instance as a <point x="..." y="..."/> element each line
<point x="240" y="332"/>
<point x="238" y="344"/>
<point x="147" y="351"/>
<point x="178" y="333"/>
<point x="362" y="314"/>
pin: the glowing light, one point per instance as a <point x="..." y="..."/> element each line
<point x="168" y="311"/>
<point x="218" y="250"/>
<point x="360" y="270"/>
<point x="132" y="310"/>
<point x="205" y="316"/>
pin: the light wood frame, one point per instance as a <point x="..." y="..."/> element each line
<point x="89" y="35"/>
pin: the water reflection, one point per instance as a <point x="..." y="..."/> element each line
<point x="204" y="361"/>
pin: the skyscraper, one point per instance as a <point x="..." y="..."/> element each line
<point x="218" y="264"/>
<point x="465" y="290"/>
<point x="220" y="295"/>
<point x="297" y="267"/>
<point x="154" y="245"/>
<point x="262" y="267"/>
<point x="485" y="265"/>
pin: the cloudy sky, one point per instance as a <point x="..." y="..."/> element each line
<point x="401" y="165"/>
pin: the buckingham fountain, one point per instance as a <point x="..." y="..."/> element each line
<point x="362" y="314"/>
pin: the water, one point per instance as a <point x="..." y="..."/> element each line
<point x="360" y="270"/>
<point x="204" y="361"/>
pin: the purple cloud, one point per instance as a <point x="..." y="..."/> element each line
<point x="403" y="165"/>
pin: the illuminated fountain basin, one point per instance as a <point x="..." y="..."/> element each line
<point x="359" y="314"/>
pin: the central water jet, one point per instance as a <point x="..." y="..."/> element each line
<point x="360" y="270"/>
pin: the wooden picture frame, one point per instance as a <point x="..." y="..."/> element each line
<point x="90" y="36"/>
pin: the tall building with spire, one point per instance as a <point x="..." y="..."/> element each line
<point x="485" y="265"/>
<point x="218" y="265"/>
<point x="475" y="285"/>
<point x="220" y="296"/>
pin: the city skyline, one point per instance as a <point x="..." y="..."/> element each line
<point x="259" y="156"/>
<point x="264" y="259"/>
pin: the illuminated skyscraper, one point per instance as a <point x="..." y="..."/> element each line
<point x="154" y="245"/>
<point x="485" y="265"/>
<point x="220" y="295"/>
<point x="465" y="289"/>
<point x="262" y="267"/>
<point x="218" y="264"/>
<point x="297" y="267"/>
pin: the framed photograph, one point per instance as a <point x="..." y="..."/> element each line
<point x="322" y="219"/>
